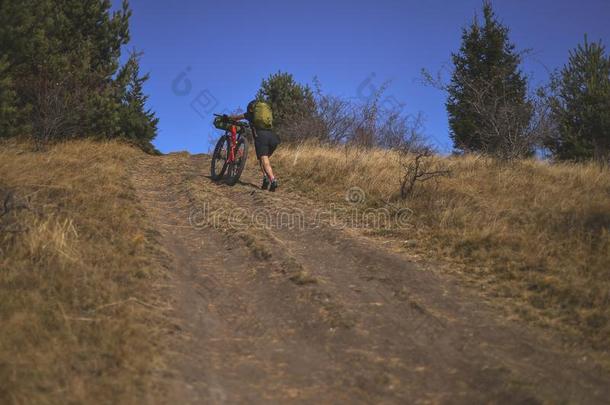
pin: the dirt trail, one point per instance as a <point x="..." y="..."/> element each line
<point x="316" y="314"/>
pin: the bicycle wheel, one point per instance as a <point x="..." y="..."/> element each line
<point x="235" y="169"/>
<point x="219" y="158"/>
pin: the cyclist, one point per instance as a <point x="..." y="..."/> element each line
<point x="258" y="114"/>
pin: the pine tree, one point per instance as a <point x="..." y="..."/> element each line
<point x="487" y="102"/>
<point x="64" y="60"/>
<point x="289" y="100"/>
<point x="137" y="123"/>
<point x="581" y="105"/>
<point x="8" y="110"/>
<point x="63" y="55"/>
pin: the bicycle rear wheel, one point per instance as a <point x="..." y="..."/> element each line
<point x="219" y="158"/>
<point x="235" y="169"/>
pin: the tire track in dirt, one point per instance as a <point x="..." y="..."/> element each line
<point x="325" y="316"/>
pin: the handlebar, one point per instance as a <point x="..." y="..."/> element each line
<point x="233" y="122"/>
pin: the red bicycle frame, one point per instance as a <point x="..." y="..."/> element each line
<point x="231" y="149"/>
<point x="233" y="131"/>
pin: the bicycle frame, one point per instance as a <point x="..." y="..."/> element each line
<point x="231" y="149"/>
<point x="233" y="137"/>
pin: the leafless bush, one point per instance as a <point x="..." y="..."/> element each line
<point x="364" y="124"/>
<point x="55" y="104"/>
<point x="542" y="124"/>
<point x="298" y="127"/>
<point x="418" y="168"/>
<point x="365" y="129"/>
<point x="336" y="117"/>
<point x="403" y="133"/>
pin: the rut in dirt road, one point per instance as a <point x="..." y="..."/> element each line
<point x="316" y="314"/>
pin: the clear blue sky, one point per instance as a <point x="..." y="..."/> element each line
<point x="224" y="49"/>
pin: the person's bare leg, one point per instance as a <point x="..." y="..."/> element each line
<point x="266" y="167"/>
<point x="260" y="164"/>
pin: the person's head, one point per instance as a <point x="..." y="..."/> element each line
<point x="251" y="105"/>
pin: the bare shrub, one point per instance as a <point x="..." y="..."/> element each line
<point x="55" y="106"/>
<point x="403" y="133"/>
<point x="336" y="118"/>
<point x="366" y="124"/>
<point x="419" y="168"/>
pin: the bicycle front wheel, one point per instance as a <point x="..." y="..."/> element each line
<point x="235" y="169"/>
<point x="220" y="158"/>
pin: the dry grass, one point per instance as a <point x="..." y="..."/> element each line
<point x="77" y="309"/>
<point x="535" y="234"/>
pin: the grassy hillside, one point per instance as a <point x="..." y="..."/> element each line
<point x="77" y="309"/>
<point x="535" y="234"/>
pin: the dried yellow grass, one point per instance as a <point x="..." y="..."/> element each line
<point x="535" y="234"/>
<point x="79" y="319"/>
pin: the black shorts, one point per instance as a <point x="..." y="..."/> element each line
<point x="265" y="143"/>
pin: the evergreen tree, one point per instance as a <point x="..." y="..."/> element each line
<point x="137" y="123"/>
<point x="8" y="111"/>
<point x="487" y="103"/>
<point x="64" y="60"/>
<point x="581" y="105"/>
<point x="290" y="101"/>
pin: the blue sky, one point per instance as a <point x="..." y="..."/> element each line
<point x="210" y="56"/>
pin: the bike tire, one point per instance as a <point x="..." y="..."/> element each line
<point x="235" y="170"/>
<point x="220" y="156"/>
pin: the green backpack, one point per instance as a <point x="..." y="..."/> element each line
<point x="262" y="115"/>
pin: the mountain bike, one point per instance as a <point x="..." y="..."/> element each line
<point x="231" y="151"/>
